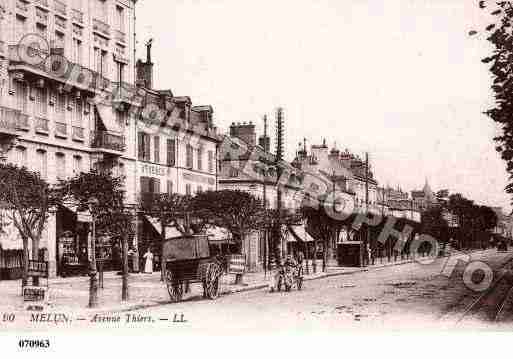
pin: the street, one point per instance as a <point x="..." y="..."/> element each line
<point x="409" y="296"/>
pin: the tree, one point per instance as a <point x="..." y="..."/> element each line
<point x="498" y="33"/>
<point x="239" y="212"/>
<point x="104" y="195"/>
<point x="322" y="225"/>
<point x="435" y="225"/>
<point x="29" y="200"/>
<point x="167" y="209"/>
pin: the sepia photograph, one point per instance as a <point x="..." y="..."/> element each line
<point x="255" y="167"/>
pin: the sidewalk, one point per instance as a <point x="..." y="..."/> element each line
<point x="146" y="290"/>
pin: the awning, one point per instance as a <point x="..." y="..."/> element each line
<point x="218" y="234"/>
<point x="171" y="231"/>
<point x="9" y="235"/>
<point x="108" y="118"/>
<point x="299" y="233"/>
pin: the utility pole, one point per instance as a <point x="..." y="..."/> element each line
<point x="266" y="229"/>
<point x="367" y="235"/>
<point x="279" y="158"/>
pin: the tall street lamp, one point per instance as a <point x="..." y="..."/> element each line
<point x="93" y="279"/>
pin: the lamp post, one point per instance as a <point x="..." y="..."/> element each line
<point x="93" y="279"/>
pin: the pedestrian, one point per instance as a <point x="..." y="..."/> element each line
<point x="148" y="266"/>
<point x="369" y="254"/>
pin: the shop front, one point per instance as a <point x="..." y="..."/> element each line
<point x="11" y="250"/>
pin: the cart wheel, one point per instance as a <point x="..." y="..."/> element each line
<point x="174" y="289"/>
<point x="213" y="289"/>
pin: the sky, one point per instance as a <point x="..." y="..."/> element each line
<point x="400" y="79"/>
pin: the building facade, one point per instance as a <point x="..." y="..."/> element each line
<point x="51" y="118"/>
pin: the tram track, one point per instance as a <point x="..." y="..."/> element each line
<point x="495" y="304"/>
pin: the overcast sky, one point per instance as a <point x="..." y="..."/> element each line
<point x="400" y="79"/>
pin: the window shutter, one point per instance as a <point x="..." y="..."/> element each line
<point x="147" y="147"/>
<point x="140" y="145"/>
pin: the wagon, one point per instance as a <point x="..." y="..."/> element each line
<point x="187" y="260"/>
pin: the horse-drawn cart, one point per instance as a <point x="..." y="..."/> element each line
<point x="187" y="260"/>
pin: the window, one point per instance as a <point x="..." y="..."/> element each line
<point x="104" y="70"/>
<point x="61" y="106"/>
<point x="79" y="111"/>
<point x="144" y="146"/>
<point x="60" y="166"/>
<point x="21" y="96"/>
<point x="169" y="187"/>
<point x="156" y="145"/>
<point x="21" y="156"/>
<point x="188" y="189"/>
<point x="77" y="51"/>
<point x="41" y="102"/>
<point x="20" y="28"/>
<point x="171" y="152"/>
<point x="211" y="161"/>
<point x="149" y="185"/>
<point x="42" y="166"/>
<point x="77" y="165"/>
<point x="97" y="60"/>
<point x="120" y="18"/>
<point x="58" y="42"/>
<point x="41" y="30"/>
<point x="234" y="172"/>
<point x="200" y="159"/>
<point x="189" y="157"/>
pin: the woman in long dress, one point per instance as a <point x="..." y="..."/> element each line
<point x="148" y="266"/>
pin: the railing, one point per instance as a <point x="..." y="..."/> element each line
<point x="42" y="3"/>
<point x="41" y="125"/>
<point x="77" y="16"/>
<point x="78" y="133"/>
<point x="61" y="129"/>
<point x="42" y="16"/>
<point x="120" y="36"/>
<point x="80" y="75"/>
<point x="23" y="122"/>
<point x="8" y="120"/>
<point x="101" y="27"/>
<point x="108" y="141"/>
<point x="21" y="6"/>
<point x="60" y="23"/>
<point x="59" y="7"/>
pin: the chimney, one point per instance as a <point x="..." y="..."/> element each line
<point x="145" y="69"/>
<point x="245" y="132"/>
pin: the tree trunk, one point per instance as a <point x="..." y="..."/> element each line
<point x="24" y="280"/>
<point x="124" y="289"/>
<point x="35" y="257"/>
<point x="162" y="240"/>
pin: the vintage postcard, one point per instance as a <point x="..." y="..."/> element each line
<point x="288" y="166"/>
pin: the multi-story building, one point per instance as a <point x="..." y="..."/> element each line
<point x="57" y="59"/>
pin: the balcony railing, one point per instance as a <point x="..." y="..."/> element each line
<point x="108" y="141"/>
<point x="78" y="133"/>
<point x="77" y="16"/>
<point x="23" y="122"/>
<point x="120" y="36"/>
<point x="41" y="125"/>
<point x="41" y="16"/>
<point x="59" y="7"/>
<point x="43" y="3"/>
<point x="61" y="130"/>
<point x="21" y="7"/>
<point x="101" y="27"/>
<point x="8" y="120"/>
<point x="33" y="58"/>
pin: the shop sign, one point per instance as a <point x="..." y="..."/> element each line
<point x="199" y="179"/>
<point x="155" y="170"/>
<point x="35" y="294"/>
<point x="84" y="217"/>
<point x="38" y="269"/>
<point x="236" y="264"/>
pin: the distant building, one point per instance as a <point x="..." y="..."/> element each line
<point x="424" y="198"/>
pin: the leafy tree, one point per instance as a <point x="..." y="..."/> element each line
<point x="498" y="33"/>
<point x="239" y="212"/>
<point x="29" y="200"/>
<point x="434" y="224"/>
<point x="104" y="195"/>
<point x="168" y="209"/>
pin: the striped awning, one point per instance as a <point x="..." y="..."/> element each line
<point x="171" y="231"/>
<point x="300" y="234"/>
<point x="218" y="234"/>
